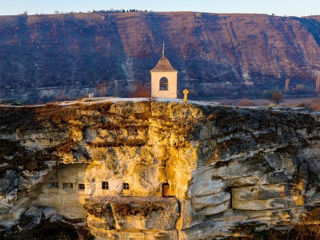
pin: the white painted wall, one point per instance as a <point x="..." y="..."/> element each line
<point x="172" y="84"/>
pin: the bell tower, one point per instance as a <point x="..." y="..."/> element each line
<point x="164" y="78"/>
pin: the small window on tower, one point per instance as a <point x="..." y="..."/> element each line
<point x="105" y="185"/>
<point x="163" y="84"/>
<point x="81" y="186"/>
<point x="126" y="186"/>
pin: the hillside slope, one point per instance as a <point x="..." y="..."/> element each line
<point x="235" y="55"/>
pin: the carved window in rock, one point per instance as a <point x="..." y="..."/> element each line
<point x="67" y="185"/>
<point x="126" y="186"/>
<point x="81" y="186"/>
<point x="105" y="185"/>
<point x="163" y="84"/>
<point x="54" y="185"/>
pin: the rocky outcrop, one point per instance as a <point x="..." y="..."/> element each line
<point x="48" y="57"/>
<point x="155" y="217"/>
<point x="159" y="170"/>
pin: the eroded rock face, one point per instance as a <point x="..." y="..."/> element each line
<point x="158" y="170"/>
<point x="153" y="216"/>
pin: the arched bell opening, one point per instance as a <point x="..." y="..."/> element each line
<point x="163" y="84"/>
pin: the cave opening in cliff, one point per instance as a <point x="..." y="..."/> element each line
<point x="81" y="186"/>
<point x="165" y="190"/>
<point x="67" y="185"/>
<point x="126" y="186"/>
<point x="105" y="185"/>
<point x="54" y="185"/>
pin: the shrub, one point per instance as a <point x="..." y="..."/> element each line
<point x="245" y="102"/>
<point x="315" y="104"/>
<point x="276" y="96"/>
<point x="140" y="90"/>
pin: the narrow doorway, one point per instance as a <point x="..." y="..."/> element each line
<point x="165" y="190"/>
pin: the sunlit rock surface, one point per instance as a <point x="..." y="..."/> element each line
<point x="158" y="170"/>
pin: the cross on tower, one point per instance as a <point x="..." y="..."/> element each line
<point x="163" y="46"/>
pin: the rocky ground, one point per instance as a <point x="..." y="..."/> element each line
<point x="233" y="173"/>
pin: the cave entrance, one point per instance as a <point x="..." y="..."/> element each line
<point x="165" y="190"/>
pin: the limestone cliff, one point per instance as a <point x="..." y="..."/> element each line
<point x="158" y="170"/>
<point x="44" y="57"/>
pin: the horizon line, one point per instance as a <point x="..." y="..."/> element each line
<point x="149" y="11"/>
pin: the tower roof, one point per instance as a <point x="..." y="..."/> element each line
<point x="163" y="65"/>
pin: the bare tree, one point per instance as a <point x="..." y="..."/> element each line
<point x="276" y="96"/>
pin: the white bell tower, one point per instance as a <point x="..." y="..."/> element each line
<point x="164" y="79"/>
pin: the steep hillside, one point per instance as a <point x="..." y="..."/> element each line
<point x="68" y="55"/>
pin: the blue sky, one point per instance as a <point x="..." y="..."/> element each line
<point x="278" y="7"/>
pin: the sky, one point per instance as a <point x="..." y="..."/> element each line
<point x="277" y="7"/>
